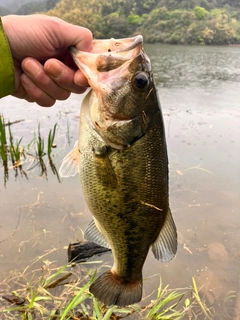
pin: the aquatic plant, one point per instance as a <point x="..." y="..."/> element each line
<point x="39" y="299"/>
<point x="40" y="143"/>
<point x="12" y="150"/>
<point x="7" y="146"/>
<point x="15" y="151"/>
<point x="3" y="140"/>
<point x="205" y="310"/>
<point x="51" y="137"/>
<point x="165" y="304"/>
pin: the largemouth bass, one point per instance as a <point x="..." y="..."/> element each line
<point x="121" y="156"/>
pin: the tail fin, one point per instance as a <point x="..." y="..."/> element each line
<point x="113" y="290"/>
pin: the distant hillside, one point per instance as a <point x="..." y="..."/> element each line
<point x="190" y="4"/>
<point x="14" y="5"/>
<point x="166" y="21"/>
<point x="22" y="7"/>
<point x="172" y="21"/>
<point x="4" y="11"/>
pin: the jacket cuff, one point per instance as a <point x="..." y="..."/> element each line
<point x="7" y="77"/>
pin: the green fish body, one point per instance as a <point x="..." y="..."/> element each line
<point x="121" y="157"/>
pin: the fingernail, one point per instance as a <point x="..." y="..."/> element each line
<point x="26" y="81"/>
<point x="31" y="67"/>
<point x="54" y="70"/>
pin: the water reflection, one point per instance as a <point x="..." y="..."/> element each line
<point x="17" y="169"/>
<point x="39" y="163"/>
<point x="34" y="163"/>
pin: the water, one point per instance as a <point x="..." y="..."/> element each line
<point x="199" y="90"/>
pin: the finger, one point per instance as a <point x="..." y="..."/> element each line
<point x="35" y="93"/>
<point x="80" y="79"/>
<point x="67" y="34"/>
<point x="35" y="71"/>
<point x="64" y="76"/>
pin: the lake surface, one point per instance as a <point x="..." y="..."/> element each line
<point x="199" y="90"/>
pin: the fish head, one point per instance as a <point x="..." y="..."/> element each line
<point x="120" y="75"/>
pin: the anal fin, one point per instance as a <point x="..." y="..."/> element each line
<point x="93" y="234"/>
<point x="164" y="247"/>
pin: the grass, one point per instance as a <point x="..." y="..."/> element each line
<point x="9" y="149"/>
<point x="206" y="311"/>
<point x="62" y="294"/>
<point x="13" y="154"/>
<point x="164" y="306"/>
<point x="15" y="150"/>
<point x="51" y="137"/>
<point x="40" y="144"/>
<point x="3" y="139"/>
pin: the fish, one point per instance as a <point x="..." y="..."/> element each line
<point x="121" y="157"/>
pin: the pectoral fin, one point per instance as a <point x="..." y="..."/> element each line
<point x="165" y="246"/>
<point x="93" y="234"/>
<point x="70" y="164"/>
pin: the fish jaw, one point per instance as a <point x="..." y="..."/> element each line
<point x="108" y="63"/>
<point x="110" y="72"/>
<point x="121" y="80"/>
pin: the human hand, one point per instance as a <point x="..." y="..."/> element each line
<point x="44" y="69"/>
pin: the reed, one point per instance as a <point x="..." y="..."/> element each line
<point x="11" y="149"/>
<point x="3" y="140"/>
<point x="40" y="143"/>
<point x="51" y="137"/>
<point x="14" y="149"/>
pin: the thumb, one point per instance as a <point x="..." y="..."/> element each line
<point x="76" y="36"/>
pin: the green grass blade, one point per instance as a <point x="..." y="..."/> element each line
<point x="205" y="310"/>
<point x="2" y="130"/>
<point x="49" y="142"/>
<point x="160" y="307"/>
<point x="79" y="298"/>
<point x="40" y="144"/>
<point x="54" y="276"/>
<point x="96" y="309"/>
<point x="51" y="137"/>
<point x="3" y="140"/>
<point x="109" y="313"/>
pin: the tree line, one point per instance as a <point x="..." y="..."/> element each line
<point x="166" y="21"/>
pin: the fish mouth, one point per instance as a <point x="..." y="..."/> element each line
<point x="108" y="60"/>
<point x="110" y="69"/>
<point x="116" y="45"/>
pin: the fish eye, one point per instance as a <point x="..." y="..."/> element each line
<point x="140" y="80"/>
